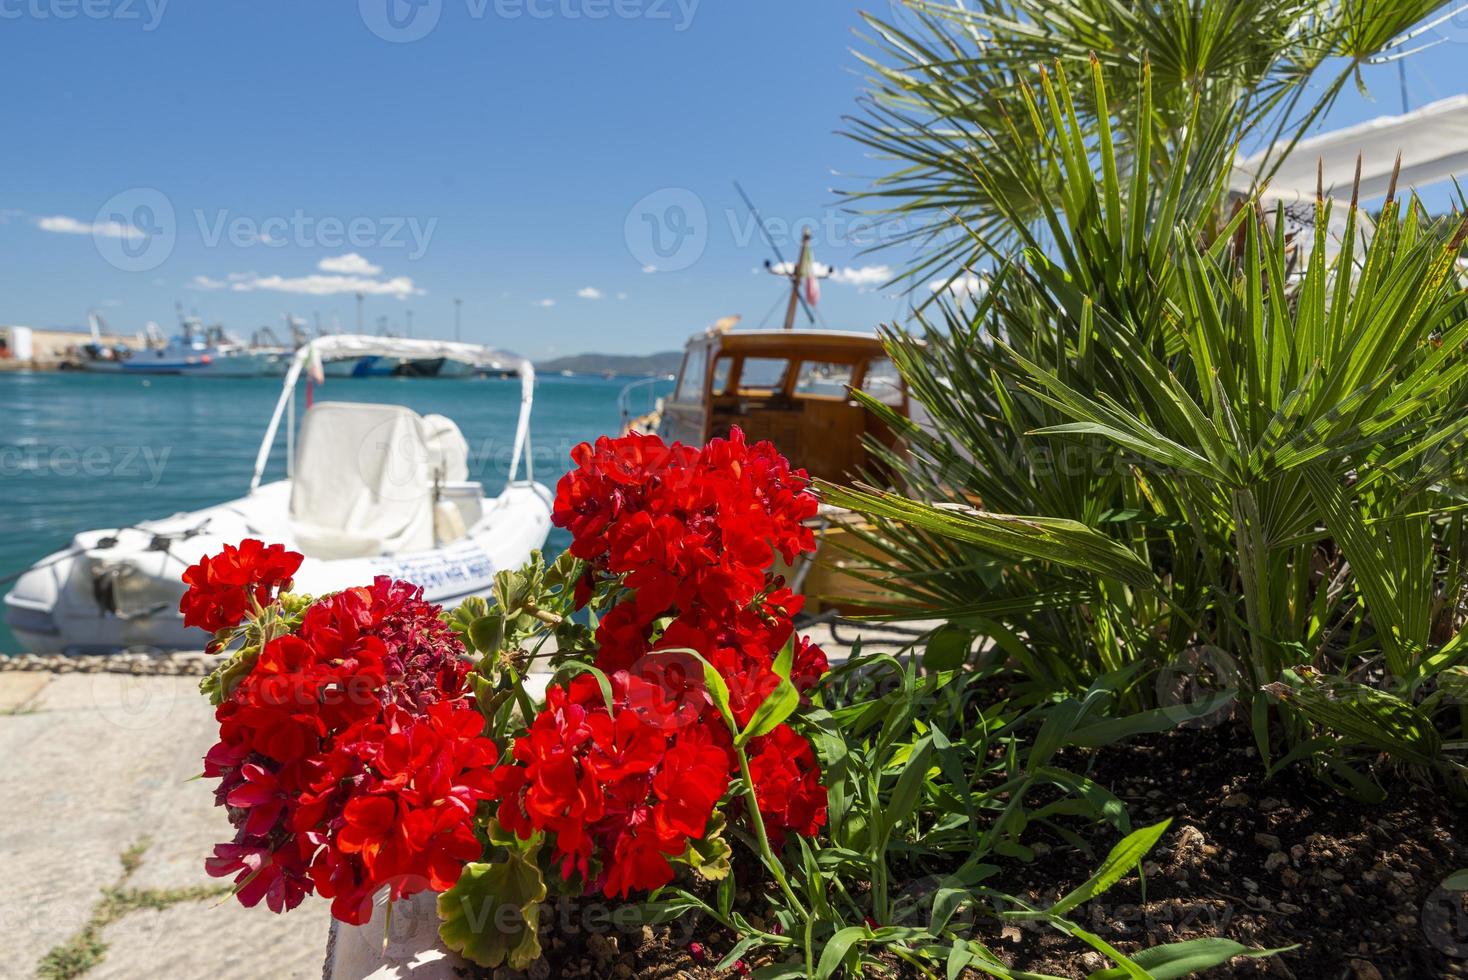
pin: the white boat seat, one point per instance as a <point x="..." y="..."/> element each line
<point x="365" y="476"/>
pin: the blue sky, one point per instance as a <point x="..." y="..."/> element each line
<point x="569" y="177"/>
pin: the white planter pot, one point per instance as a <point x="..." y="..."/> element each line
<point x="404" y="946"/>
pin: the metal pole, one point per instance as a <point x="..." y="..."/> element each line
<point x="795" y="278"/>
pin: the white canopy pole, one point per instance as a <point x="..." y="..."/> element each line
<point x="522" y="427"/>
<point x="292" y="374"/>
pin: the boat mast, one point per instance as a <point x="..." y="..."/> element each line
<point x="796" y="275"/>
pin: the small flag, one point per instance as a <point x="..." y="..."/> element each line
<point x="314" y="369"/>
<point x="315" y="375"/>
<point x="807" y="272"/>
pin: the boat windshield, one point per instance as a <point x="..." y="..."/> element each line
<point x="763" y="373"/>
<point x="883" y="382"/>
<point x="690" y="384"/>
<point x="823" y="378"/>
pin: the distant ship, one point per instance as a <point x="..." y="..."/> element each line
<point x="196" y="350"/>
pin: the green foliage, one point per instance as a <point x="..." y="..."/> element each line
<point x="710" y="857"/>
<point x="491" y="915"/>
<point x="1268" y="427"/>
<point x="948" y="103"/>
<point x="932" y="785"/>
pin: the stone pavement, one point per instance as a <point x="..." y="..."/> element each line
<point x="91" y="764"/>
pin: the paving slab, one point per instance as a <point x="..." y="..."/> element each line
<point x="95" y="764"/>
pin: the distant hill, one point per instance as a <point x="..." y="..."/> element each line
<point x="663" y="362"/>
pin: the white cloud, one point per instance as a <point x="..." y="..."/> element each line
<point x="312" y="285"/>
<point x="63" y="225"/>
<point x="350" y="264"/>
<point x="590" y="292"/>
<point x="865" y="278"/>
<point x="649" y="268"/>
<point x="545" y="303"/>
<point x="621" y="296"/>
<point x="967" y="284"/>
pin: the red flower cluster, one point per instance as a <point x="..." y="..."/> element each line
<point x="225" y="588"/>
<point x="350" y="757"/>
<point x="622" y="790"/>
<point x="691" y="535"/>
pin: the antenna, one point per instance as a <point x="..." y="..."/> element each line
<point x="796" y="298"/>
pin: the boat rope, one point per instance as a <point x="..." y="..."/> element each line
<point x="160" y="542"/>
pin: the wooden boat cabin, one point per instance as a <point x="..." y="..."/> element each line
<point x="787" y="386"/>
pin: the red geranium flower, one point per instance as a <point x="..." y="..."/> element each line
<point x="351" y="757"/>
<point x="227" y="587"/>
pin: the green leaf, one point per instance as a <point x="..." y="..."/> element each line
<point x="1456" y="882"/>
<point x="908" y="790"/>
<point x="1112" y="730"/>
<point x="491" y="915"/>
<point x="785" y="660"/>
<point x="947" y="648"/>
<point x="772" y="711"/>
<point x="462" y="616"/>
<point x="220" y="682"/>
<point x="709" y="856"/>
<point x="1125" y="856"/>
<point x="1054" y="539"/>
<point x="1191" y="956"/>
<point x="834" y="953"/>
<point x="1362" y="714"/>
<point x="487" y="633"/>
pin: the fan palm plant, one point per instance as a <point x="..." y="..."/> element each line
<point x="1169" y="425"/>
<point x="948" y="81"/>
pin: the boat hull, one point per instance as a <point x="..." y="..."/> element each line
<point x="114" y="590"/>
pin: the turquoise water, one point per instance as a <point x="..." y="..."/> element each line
<point x="82" y="451"/>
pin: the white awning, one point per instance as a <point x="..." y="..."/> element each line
<point x="1433" y="142"/>
<point x="407" y="348"/>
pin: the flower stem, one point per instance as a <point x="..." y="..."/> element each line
<point x="764" y="840"/>
<point x="549" y="618"/>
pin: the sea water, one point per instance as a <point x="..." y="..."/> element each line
<point x="83" y="451"/>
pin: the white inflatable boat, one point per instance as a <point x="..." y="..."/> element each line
<point x="369" y="490"/>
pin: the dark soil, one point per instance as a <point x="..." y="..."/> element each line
<point x="1268" y="864"/>
<point x="1283" y="863"/>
